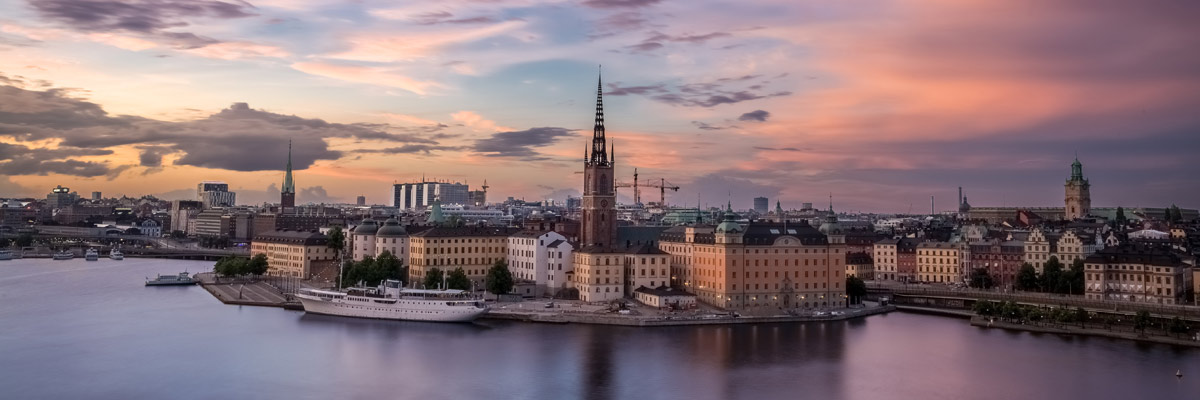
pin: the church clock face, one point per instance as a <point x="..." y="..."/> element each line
<point x="603" y="203"/>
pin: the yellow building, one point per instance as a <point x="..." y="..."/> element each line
<point x="938" y="262"/>
<point x="1138" y="273"/>
<point x="646" y="266"/>
<point x="300" y="254"/>
<point x="474" y="249"/>
<point x="860" y="265"/>
<point x="599" y="274"/>
<point x="758" y="266"/>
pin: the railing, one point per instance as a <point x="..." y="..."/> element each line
<point x="1044" y="298"/>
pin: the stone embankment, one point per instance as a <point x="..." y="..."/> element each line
<point x="246" y="292"/>
<point x="599" y="318"/>
<point x="1066" y="329"/>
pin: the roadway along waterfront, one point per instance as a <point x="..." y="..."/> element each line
<point x="78" y="329"/>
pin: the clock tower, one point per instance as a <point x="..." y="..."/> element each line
<point x="598" y="225"/>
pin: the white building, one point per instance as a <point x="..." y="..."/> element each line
<point x="362" y="242"/>
<point x="419" y="195"/>
<point x="543" y="258"/>
<point x="393" y="238"/>
<point x="472" y="216"/>
<point x="215" y="194"/>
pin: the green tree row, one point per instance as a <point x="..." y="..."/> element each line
<point x="236" y="266"/>
<point x="499" y="279"/>
<point x="1053" y="278"/>
<point x="856" y="289"/>
<point x="371" y="271"/>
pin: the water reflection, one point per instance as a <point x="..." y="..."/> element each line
<point x="95" y="332"/>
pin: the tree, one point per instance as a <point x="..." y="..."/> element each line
<point x="1051" y="274"/>
<point x="25" y="240"/>
<point x="231" y="266"/>
<point x="856" y="289"/>
<point x="1027" y="278"/>
<point x="499" y="279"/>
<point x="1121" y="220"/>
<point x="457" y="279"/>
<point x="1141" y="321"/>
<point x="5" y="242"/>
<point x="1178" y="326"/>
<point x="337" y="242"/>
<point x="984" y="308"/>
<point x="981" y="279"/>
<point x="1077" y="277"/>
<point x="178" y="234"/>
<point x="1081" y="316"/>
<point x="387" y="266"/>
<point x="1176" y="214"/>
<point x="257" y="265"/>
<point x="433" y="278"/>
<point x="355" y="272"/>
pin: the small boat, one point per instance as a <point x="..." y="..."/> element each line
<point x="116" y="255"/>
<point x="5" y="255"/>
<point x="1179" y="373"/>
<point x="64" y="255"/>
<point x="168" y="280"/>
<point x="91" y="255"/>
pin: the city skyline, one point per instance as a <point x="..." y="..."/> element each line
<point x="854" y="100"/>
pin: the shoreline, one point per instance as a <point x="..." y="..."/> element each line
<point x="608" y="319"/>
<point x="988" y="323"/>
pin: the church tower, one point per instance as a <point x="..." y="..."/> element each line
<point x="1079" y="196"/>
<point x="287" y="193"/>
<point x="599" y="203"/>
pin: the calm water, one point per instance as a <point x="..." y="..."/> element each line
<point x="74" y="329"/>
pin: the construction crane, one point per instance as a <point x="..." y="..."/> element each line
<point x="662" y="186"/>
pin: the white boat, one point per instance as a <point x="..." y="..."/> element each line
<point x="91" y="255"/>
<point x="64" y="255"/>
<point x="391" y="301"/>
<point x="116" y="255"/>
<point x="5" y="255"/>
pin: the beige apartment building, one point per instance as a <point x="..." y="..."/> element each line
<point x="599" y="274"/>
<point x="939" y="262"/>
<point x="759" y="265"/>
<point x="301" y="254"/>
<point x="861" y="265"/>
<point x="646" y="267"/>
<point x="474" y="249"/>
<point x="1139" y="273"/>
<point x="885" y="259"/>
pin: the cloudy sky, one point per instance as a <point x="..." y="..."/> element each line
<point x="881" y="103"/>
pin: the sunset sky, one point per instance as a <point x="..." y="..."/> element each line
<point x="881" y="103"/>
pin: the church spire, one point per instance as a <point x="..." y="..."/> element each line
<point x="288" y="185"/>
<point x="599" y="154"/>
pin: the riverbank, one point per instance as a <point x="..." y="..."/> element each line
<point x="563" y="317"/>
<point x="984" y="322"/>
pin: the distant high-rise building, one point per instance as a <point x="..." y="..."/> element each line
<point x="362" y="200"/>
<point x="287" y="193"/>
<point x="760" y="205"/>
<point x="97" y="196"/>
<point x="419" y="195"/>
<point x="60" y="197"/>
<point x="1079" y="196"/>
<point x="479" y="197"/>
<point x="215" y="194"/>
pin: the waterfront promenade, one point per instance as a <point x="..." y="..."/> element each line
<point x="247" y="292"/>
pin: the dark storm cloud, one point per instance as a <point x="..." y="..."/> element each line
<point x="154" y="18"/>
<point x="520" y="144"/>
<point x="151" y="156"/>
<point x="17" y="159"/>
<point x="442" y="17"/>
<point x="237" y="138"/>
<point x="699" y="94"/>
<point x="756" y="115"/>
<point x="707" y="127"/>
<point x="656" y="39"/>
<point x="410" y="149"/>
<point x="619" y="3"/>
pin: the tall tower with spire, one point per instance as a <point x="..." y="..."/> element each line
<point x="599" y="203"/>
<point x="1079" y="193"/>
<point x="287" y="193"/>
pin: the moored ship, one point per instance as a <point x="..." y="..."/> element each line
<point x="5" y="255"/>
<point x="391" y="301"/>
<point x="116" y="255"/>
<point x="91" y="255"/>
<point x="168" y="280"/>
<point x="64" y="255"/>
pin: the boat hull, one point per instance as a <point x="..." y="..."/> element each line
<point x="158" y="283"/>
<point x="404" y="310"/>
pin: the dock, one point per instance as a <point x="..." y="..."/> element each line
<point x="561" y="317"/>
<point x="246" y="292"/>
